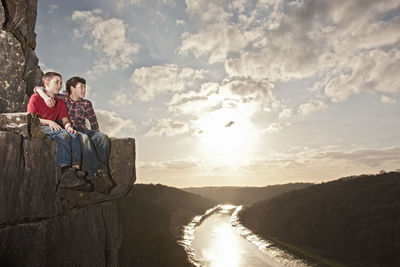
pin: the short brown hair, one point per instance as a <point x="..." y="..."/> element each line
<point x="49" y="75"/>
<point x="73" y="82"/>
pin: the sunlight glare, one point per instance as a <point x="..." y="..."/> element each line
<point x="225" y="251"/>
<point x="226" y="134"/>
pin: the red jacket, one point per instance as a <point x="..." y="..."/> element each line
<point x="37" y="106"/>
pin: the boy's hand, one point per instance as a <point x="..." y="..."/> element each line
<point x="54" y="126"/>
<point x="50" y="102"/>
<point x="70" y="129"/>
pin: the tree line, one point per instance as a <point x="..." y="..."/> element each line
<point x="355" y="219"/>
<point x="243" y="195"/>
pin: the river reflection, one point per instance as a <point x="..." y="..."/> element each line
<point x="218" y="239"/>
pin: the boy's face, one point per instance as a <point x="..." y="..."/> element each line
<point x="53" y="84"/>
<point x="78" y="91"/>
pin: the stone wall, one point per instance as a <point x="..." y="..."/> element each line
<point x="41" y="225"/>
<point x="20" y="71"/>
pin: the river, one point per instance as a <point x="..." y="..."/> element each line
<point x="217" y="238"/>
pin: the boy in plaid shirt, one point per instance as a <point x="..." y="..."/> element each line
<point x="68" y="156"/>
<point x="95" y="145"/>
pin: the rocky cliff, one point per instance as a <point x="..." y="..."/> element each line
<point x="19" y="65"/>
<point x="41" y="225"/>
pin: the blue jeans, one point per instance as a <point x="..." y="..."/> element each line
<point x="95" y="149"/>
<point x="68" y="146"/>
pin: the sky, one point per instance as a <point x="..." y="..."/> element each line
<point x="243" y="93"/>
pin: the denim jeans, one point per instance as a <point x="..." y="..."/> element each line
<point x="68" y="146"/>
<point x="95" y="149"/>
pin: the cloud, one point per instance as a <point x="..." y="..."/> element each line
<point x="286" y="113"/>
<point x="334" y="161"/>
<point x="375" y="70"/>
<point x="311" y="107"/>
<point x="387" y="99"/>
<point x="121" y="4"/>
<point x="248" y="47"/>
<point x="168" y="127"/>
<point x="175" y="164"/>
<point x="230" y="104"/>
<point x="216" y="42"/>
<point x="274" y="128"/>
<point x="156" y="80"/>
<point x="277" y="56"/>
<point x="124" y="3"/>
<point x="111" y="124"/>
<point x="180" y="22"/>
<point x="217" y="37"/>
<point x="206" y="99"/>
<point x="301" y="164"/>
<point x="121" y="98"/>
<point x="237" y="100"/>
<point x="52" y="8"/>
<point x="200" y="7"/>
<point x="349" y="47"/>
<point x="368" y="157"/>
<point x="107" y="38"/>
<point x="249" y="90"/>
<point x="167" y="2"/>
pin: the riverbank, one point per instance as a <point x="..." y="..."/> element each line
<point x="307" y="253"/>
<point x="353" y="220"/>
<point x="217" y="243"/>
<point x="220" y="238"/>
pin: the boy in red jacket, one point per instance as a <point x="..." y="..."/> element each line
<point x="95" y="144"/>
<point x="68" y="156"/>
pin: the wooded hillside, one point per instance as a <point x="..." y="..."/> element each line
<point x="354" y="219"/>
<point x="151" y="218"/>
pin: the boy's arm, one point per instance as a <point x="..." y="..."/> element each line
<point x="50" y="102"/>
<point x="53" y="125"/>
<point x="68" y="125"/>
<point x="91" y="116"/>
<point x="32" y="109"/>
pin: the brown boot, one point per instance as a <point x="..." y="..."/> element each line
<point x="106" y="178"/>
<point x="102" y="182"/>
<point x="70" y="180"/>
<point x="80" y="173"/>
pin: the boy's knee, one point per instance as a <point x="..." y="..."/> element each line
<point x="85" y="138"/>
<point x="106" y="139"/>
<point x="103" y="138"/>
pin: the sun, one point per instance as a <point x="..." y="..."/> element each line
<point x="226" y="135"/>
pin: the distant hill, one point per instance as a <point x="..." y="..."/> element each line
<point x="355" y="220"/>
<point x="244" y="195"/>
<point x="151" y="218"/>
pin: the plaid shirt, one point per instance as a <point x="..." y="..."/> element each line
<point x="78" y="111"/>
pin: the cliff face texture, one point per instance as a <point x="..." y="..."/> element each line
<point x="41" y="225"/>
<point x="19" y="65"/>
